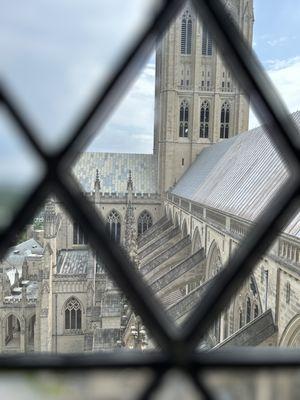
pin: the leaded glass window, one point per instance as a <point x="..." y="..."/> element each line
<point x="204" y="120"/>
<point x="225" y="121"/>
<point x="186" y="33"/>
<point x="78" y="235"/>
<point x="113" y="226"/>
<point x="206" y="42"/>
<point x="72" y="314"/>
<point x="248" y="310"/>
<point x="184" y="119"/>
<point x="144" y="222"/>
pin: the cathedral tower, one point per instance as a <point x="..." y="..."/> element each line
<point x="197" y="101"/>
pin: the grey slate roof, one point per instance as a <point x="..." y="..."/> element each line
<point x="239" y="176"/>
<point x="73" y="262"/>
<point x="254" y="333"/>
<point x="18" y="253"/>
<point x="114" y="169"/>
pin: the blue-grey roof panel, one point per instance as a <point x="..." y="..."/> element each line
<point x="239" y="176"/>
<point x="114" y="170"/>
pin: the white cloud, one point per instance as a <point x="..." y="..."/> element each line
<point x="279" y="41"/>
<point x="285" y="75"/>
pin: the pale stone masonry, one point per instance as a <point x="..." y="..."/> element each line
<point x="195" y="78"/>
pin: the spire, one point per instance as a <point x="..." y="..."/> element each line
<point x="129" y="188"/>
<point x="97" y="186"/>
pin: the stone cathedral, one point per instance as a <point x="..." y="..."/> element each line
<point x="179" y="213"/>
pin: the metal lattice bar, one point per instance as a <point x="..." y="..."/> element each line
<point x="177" y="346"/>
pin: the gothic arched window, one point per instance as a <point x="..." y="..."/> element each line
<point x="206" y="42"/>
<point x="186" y="33"/>
<point x="78" y="235"/>
<point x="256" y="311"/>
<point x="225" y="120"/>
<point x="248" y="310"/>
<point x="72" y="314"/>
<point x="184" y="119"/>
<point x="113" y="226"/>
<point x="204" y="119"/>
<point x="144" y="222"/>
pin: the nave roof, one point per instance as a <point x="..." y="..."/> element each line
<point x="238" y="176"/>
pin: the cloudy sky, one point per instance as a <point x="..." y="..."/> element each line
<point x="56" y="54"/>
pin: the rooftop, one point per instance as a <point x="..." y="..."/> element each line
<point x="114" y="170"/>
<point x="239" y="176"/>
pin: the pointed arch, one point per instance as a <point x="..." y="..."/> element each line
<point x="184" y="229"/>
<point x="72" y="314"/>
<point x="225" y="120"/>
<point x="186" y="33"/>
<point x="170" y="216"/>
<point x="291" y="334"/>
<point x="184" y="119"/>
<point x="207" y="47"/>
<point x="176" y="220"/>
<point x="145" y="222"/>
<point x="113" y="225"/>
<point x="78" y="234"/>
<point x="214" y="261"/>
<point x="12" y="332"/>
<point x="204" y="119"/>
<point x="196" y="241"/>
<point x="248" y="310"/>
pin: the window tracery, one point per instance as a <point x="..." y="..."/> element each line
<point x="184" y="119"/>
<point x="144" y="222"/>
<point x="204" y="119"/>
<point x="225" y="120"/>
<point x="186" y="33"/>
<point x="73" y="314"/>
<point x="78" y="234"/>
<point x="113" y="226"/>
<point x="207" y="46"/>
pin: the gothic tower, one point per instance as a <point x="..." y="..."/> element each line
<point x="197" y="100"/>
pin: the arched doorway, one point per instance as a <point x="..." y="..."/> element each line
<point x="12" y="333"/>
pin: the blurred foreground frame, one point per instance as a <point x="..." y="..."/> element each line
<point x="177" y="345"/>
